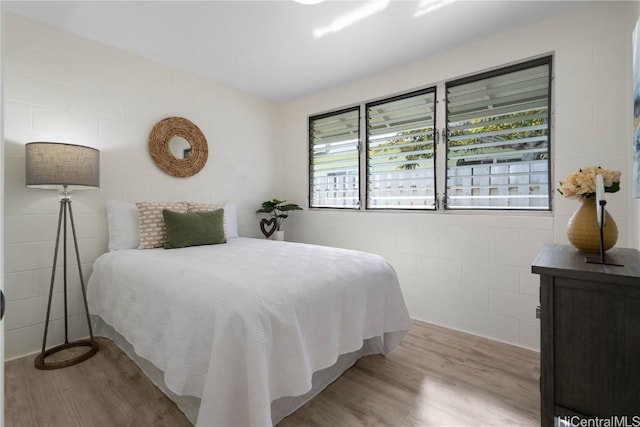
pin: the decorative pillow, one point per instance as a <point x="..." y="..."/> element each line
<point x="124" y="231"/>
<point x="231" y="220"/>
<point x="153" y="232"/>
<point x="230" y="215"/>
<point x="193" y="228"/>
<point x="202" y="207"/>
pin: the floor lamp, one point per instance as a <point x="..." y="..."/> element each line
<point x="63" y="167"/>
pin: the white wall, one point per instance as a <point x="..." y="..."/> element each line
<point x="471" y="271"/>
<point x="465" y="271"/>
<point x="62" y="88"/>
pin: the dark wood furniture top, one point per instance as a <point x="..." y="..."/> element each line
<point x="566" y="261"/>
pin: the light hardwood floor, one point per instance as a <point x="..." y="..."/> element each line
<point x="436" y="377"/>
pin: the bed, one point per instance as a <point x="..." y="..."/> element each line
<point x="244" y="333"/>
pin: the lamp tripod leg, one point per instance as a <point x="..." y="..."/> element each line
<point x="64" y="272"/>
<point x="53" y="278"/>
<point x="39" y="363"/>
<point x="82" y="285"/>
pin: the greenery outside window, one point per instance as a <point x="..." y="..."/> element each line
<point x="498" y="139"/>
<point x="401" y="152"/>
<point x="489" y="148"/>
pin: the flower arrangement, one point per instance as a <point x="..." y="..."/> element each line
<point x="582" y="184"/>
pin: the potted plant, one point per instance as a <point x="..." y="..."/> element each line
<point x="278" y="209"/>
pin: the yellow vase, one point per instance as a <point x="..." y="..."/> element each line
<point x="583" y="231"/>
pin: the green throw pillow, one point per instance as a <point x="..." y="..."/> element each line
<point x="193" y="228"/>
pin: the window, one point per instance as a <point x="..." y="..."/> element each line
<point x="334" y="159"/>
<point x="496" y="153"/>
<point x="498" y="139"/>
<point x="401" y="152"/>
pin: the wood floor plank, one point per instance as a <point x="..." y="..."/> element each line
<point x="436" y="377"/>
<point x="107" y="390"/>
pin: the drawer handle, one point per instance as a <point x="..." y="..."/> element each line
<point x="537" y="312"/>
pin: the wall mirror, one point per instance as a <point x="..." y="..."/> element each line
<point x="178" y="147"/>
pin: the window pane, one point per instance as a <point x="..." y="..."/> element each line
<point x="498" y="140"/>
<point x="401" y="152"/>
<point x="334" y="160"/>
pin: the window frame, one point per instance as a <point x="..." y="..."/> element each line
<point x="520" y="66"/>
<point x="367" y="182"/>
<point x="310" y="156"/>
<point x="441" y="132"/>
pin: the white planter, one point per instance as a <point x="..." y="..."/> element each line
<point x="278" y="235"/>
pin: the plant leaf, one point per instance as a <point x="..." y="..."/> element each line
<point x="290" y="207"/>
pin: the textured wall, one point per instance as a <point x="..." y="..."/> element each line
<point x="471" y="271"/>
<point x="65" y="89"/>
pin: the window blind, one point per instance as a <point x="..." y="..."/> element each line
<point x="334" y="160"/>
<point x="401" y="152"/>
<point x="498" y="139"/>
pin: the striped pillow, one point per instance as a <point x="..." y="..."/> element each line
<point x="153" y="232"/>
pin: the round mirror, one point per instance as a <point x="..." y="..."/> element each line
<point x="178" y="147"/>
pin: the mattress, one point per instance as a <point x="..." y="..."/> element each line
<point x="245" y="324"/>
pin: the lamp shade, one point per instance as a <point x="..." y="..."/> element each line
<point x="54" y="165"/>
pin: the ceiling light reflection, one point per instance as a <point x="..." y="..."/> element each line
<point x="351" y="18"/>
<point x="428" y="6"/>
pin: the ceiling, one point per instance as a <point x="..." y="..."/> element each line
<point x="282" y="50"/>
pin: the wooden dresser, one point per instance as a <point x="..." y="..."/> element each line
<point x="589" y="335"/>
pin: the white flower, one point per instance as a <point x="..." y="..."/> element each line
<point x="582" y="184"/>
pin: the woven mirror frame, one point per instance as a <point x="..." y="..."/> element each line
<point x="159" y="147"/>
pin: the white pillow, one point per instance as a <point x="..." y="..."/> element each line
<point x="124" y="231"/>
<point x="231" y="220"/>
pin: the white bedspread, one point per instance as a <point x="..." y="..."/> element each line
<point x="244" y="323"/>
